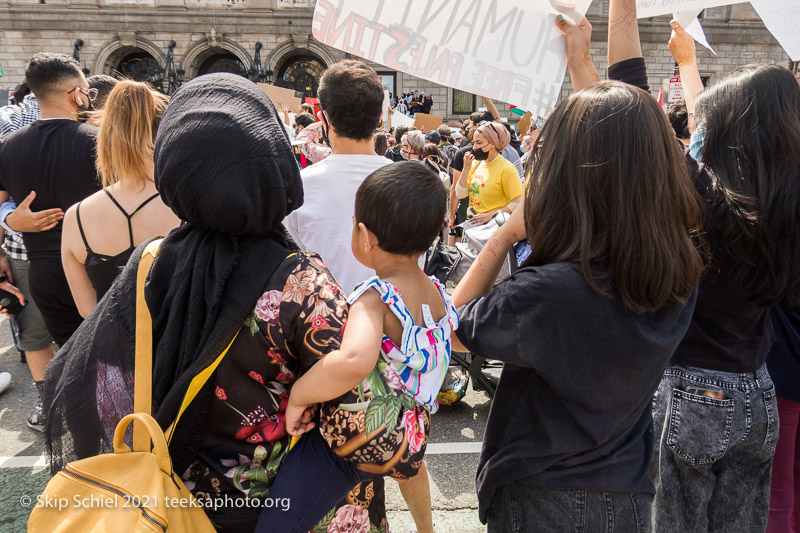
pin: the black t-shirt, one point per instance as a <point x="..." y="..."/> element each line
<point x="573" y="406"/>
<point x="458" y="160"/>
<point x="728" y="332"/>
<point x="55" y="158"/>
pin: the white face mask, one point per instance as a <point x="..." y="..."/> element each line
<point x="404" y="154"/>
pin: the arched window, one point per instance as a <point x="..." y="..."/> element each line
<point x="139" y="66"/>
<point x="302" y="74"/>
<point x="222" y="63"/>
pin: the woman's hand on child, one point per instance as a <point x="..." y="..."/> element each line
<point x="299" y="418"/>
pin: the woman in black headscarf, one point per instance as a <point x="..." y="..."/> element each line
<point x="224" y="164"/>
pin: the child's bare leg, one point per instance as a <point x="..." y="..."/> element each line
<point x="417" y="494"/>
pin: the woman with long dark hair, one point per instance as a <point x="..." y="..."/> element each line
<point x="716" y="413"/>
<point x="588" y="324"/>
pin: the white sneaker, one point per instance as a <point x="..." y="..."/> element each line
<point x="5" y="381"/>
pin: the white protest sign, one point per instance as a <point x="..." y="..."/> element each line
<point x="782" y="19"/>
<point x="695" y="29"/>
<point x="675" y="90"/>
<point x="507" y="50"/>
<point x="689" y="22"/>
<point x="401" y="119"/>
<point x="655" y="8"/>
<point x="387" y="103"/>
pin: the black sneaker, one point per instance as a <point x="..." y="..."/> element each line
<point x="36" y="418"/>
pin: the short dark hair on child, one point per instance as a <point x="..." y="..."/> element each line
<point x="404" y="205"/>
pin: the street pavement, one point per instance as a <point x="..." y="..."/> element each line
<point x="452" y="456"/>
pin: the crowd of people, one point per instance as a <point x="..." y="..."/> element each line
<point x="650" y="338"/>
<point x="411" y="103"/>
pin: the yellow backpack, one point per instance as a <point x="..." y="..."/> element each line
<point x="130" y="490"/>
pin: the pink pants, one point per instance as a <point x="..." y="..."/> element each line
<point x="784" y="505"/>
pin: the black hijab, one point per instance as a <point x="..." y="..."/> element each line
<point x="224" y="164"/>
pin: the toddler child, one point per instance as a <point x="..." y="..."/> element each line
<point x="378" y="390"/>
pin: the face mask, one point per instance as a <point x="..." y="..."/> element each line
<point x="325" y="127"/>
<point x="84" y="114"/>
<point x="404" y="154"/>
<point x="697" y="143"/>
<point x="480" y="155"/>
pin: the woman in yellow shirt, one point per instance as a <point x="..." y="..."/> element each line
<point x="493" y="183"/>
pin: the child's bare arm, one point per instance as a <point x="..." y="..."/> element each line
<point x="343" y="369"/>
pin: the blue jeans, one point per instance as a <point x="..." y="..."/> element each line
<point x="519" y="508"/>
<point x="713" y="458"/>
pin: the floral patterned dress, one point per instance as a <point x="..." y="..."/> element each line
<point x="383" y="425"/>
<point x="295" y="322"/>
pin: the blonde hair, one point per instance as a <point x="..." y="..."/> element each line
<point x="127" y="134"/>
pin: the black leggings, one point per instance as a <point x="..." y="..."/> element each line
<point x="51" y="293"/>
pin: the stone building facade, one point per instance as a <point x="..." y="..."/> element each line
<point x="153" y="39"/>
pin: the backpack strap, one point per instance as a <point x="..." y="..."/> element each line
<point x="143" y="369"/>
<point x="143" y="377"/>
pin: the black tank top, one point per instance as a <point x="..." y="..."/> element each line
<point x="104" y="269"/>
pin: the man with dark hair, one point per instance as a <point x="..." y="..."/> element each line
<point x="395" y="153"/>
<point x="679" y="119"/>
<point x="103" y="83"/>
<point x="53" y="156"/>
<point x="325" y="221"/>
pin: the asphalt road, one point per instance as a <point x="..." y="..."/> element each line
<point x="452" y="456"/>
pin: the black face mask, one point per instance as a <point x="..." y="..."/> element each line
<point x="480" y="155"/>
<point x="325" y="127"/>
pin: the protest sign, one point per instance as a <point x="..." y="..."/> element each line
<point x="314" y="102"/>
<point x="782" y="19"/>
<point x="507" y="50"/>
<point x="655" y="8"/>
<point x="427" y="123"/>
<point x="524" y="123"/>
<point x="675" y="90"/>
<point x="280" y="96"/>
<point x="689" y="22"/>
<point x="401" y="119"/>
<point x="387" y="103"/>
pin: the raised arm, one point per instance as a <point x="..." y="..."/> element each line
<point x="623" y="31"/>
<point x="682" y="48"/>
<point x="582" y="72"/>
<point x="491" y="108"/>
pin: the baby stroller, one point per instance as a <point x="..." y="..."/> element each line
<point x="451" y="263"/>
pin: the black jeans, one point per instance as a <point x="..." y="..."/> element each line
<point x="519" y="508"/>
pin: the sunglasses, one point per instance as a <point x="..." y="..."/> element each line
<point x="91" y="94"/>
